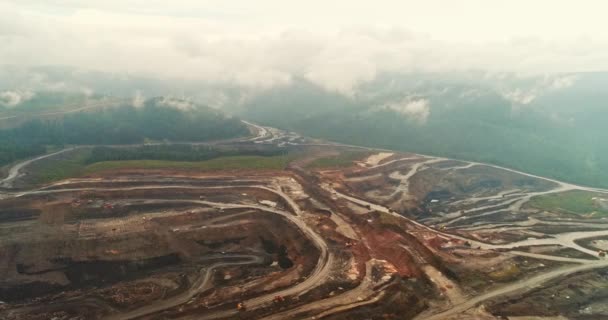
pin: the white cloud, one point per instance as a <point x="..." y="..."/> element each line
<point x="14" y="98"/>
<point x="138" y="99"/>
<point x="521" y="96"/>
<point x="525" y="95"/>
<point x="176" y="103"/>
<point x="562" y="82"/>
<point x="267" y="43"/>
<point x="417" y="110"/>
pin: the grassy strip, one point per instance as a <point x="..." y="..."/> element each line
<point x="222" y="163"/>
<point x="572" y="202"/>
<point x="66" y="166"/>
<point x="77" y="163"/>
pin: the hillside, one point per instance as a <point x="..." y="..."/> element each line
<point x="159" y="119"/>
<point x="548" y="126"/>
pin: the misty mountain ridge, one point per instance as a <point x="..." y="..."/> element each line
<point x="549" y="124"/>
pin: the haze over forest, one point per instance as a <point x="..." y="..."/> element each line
<point x="519" y="84"/>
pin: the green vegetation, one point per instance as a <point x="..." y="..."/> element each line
<point x="180" y="156"/>
<point x="223" y="163"/>
<point x="177" y="152"/>
<point x="388" y="219"/>
<point x="344" y="159"/>
<point x="572" y="202"/>
<point x="507" y="273"/>
<point x="121" y="125"/>
<point x="72" y="165"/>
<point x="561" y="136"/>
<point x="11" y="151"/>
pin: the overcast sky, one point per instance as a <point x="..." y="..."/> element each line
<point x="336" y="43"/>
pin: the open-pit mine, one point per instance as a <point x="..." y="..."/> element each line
<point x="385" y="235"/>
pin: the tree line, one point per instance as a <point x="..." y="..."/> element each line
<point x="122" y="125"/>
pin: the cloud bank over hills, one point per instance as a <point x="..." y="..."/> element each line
<point x="337" y="46"/>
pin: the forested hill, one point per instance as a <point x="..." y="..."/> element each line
<point x="550" y="127"/>
<point x="157" y="120"/>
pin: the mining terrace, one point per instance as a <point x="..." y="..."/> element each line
<point x="388" y="235"/>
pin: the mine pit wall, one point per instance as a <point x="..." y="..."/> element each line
<point x="386" y="250"/>
<point x="53" y="265"/>
<point x="122" y="181"/>
<point x="63" y="209"/>
<point x="383" y="239"/>
<point x="185" y="192"/>
<point x="310" y="183"/>
<point x="402" y="300"/>
<point x="70" y="262"/>
<point x="14" y="210"/>
<point x="249" y="232"/>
